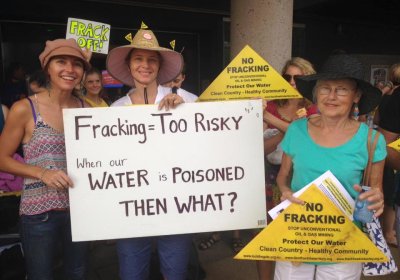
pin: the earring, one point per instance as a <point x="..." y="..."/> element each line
<point x="356" y="111"/>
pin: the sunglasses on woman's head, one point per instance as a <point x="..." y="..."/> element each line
<point x="288" y="77"/>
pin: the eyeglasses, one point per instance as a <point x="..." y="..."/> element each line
<point x="340" y="91"/>
<point x="288" y="77"/>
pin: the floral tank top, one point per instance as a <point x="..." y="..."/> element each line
<point x="45" y="149"/>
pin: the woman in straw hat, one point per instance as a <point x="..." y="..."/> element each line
<point x="335" y="141"/>
<point x="37" y="123"/>
<point x="144" y="65"/>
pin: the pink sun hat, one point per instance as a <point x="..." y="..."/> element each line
<point x="62" y="47"/>
<point x="171" y="61"/>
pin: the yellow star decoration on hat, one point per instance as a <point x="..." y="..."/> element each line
<point x="143" y="26"/>
<point x="172" y="43"/>
<point x="129" y="37"/>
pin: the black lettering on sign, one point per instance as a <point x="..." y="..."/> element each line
<point x="201" y="203"/>
<point x="119" y="180"/>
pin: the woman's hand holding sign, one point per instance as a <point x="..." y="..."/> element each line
<point x="170" y="101"/>
<point x="288" y="194"/>
<point x="56" y="179"/>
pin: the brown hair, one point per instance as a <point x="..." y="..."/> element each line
<point x="91" y="71"/>
<point x="394" y="74"/>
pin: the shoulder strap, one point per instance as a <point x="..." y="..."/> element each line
<point x="82" y="102"/>
<point x="33" y="109"/>
<point x="371" y="145"/>
<point x="1" y="118"/>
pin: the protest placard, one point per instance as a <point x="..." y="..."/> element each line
<point x="315" y="232"/>
<point x="249" y="76"/>
<point x="91" y="35"/>
<point x="395" y="145"/>
<point x="138" y="171"/>
<point x="331" y="187"/>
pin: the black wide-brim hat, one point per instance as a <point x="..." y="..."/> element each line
<point x="342" y="66"/>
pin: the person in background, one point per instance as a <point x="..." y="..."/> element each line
<point x="237" y="243"/>
<point x="93" y="88"/>
<point x="176" y="84"/>
<point x="37" y="123"/>
<point x="388" y="216"/>
<point x="385" y="87"/>
<point x="337" y="89"/>
<point x="3" y="116"/>
<point x="9" y="182"/>
<point x="278" y="114"/>
<point x="388" y="120"/>
<point x="36" y="82"/>
<point x="144" y="65"/>
<point x="15" y="86"/>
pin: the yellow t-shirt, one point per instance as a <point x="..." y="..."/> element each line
<point x="93" y="104"/>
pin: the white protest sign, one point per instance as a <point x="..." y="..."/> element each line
<point x="89" y="34"/>
<point x="138" y="171"/>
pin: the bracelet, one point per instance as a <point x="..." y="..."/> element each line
<point x="42" y="174"/>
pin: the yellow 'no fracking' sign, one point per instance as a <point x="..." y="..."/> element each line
<point x="395" y="145"/>
<point x="315" y="232"/>
<point x="248" y="76"/>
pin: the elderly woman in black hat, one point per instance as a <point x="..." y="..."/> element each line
<point x="144" y="65"/>
<point x="335" y="141"/>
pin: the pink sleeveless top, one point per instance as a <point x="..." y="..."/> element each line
<point x="46" y="149"/>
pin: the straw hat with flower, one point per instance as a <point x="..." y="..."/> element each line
<point x="117" y="65"/>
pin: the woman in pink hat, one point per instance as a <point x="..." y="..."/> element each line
<point x="37" y="123"/>
<point x="144" y="66"/>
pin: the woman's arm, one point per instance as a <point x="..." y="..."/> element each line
<point x="283" y="180"/>
<point x="270" y="119"/>
<point x="393" y="156"/>
<point x="270" y="144"/>
<point x="18" y="128"/>
<point x="13" y="134"/>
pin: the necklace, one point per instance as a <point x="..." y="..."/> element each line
<point x="66" y="104"/>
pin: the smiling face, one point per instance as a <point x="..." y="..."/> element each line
<point x="144" y="66"/>
<point x="65" y="72"/>
<point x="93" y="84"/>
<point x="335" y="98"/>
